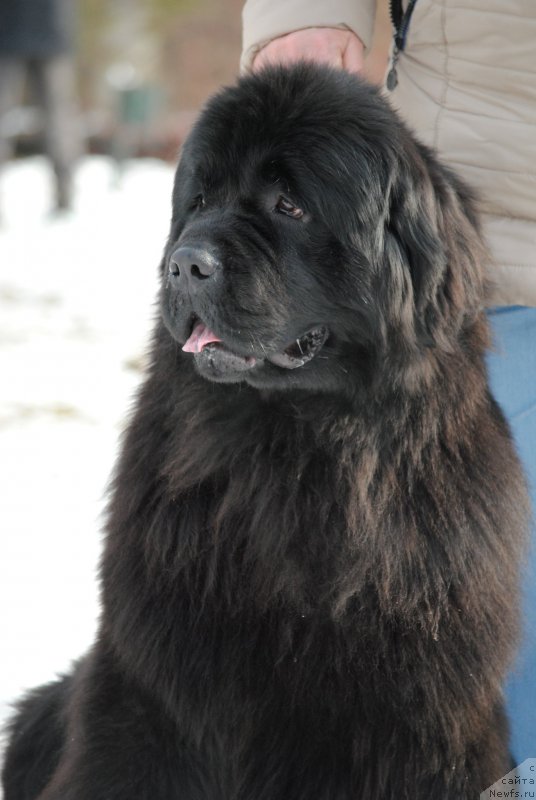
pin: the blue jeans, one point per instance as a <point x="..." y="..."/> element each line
<point x="512" y="369"/>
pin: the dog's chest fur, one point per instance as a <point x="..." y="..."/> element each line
<point x="265" y="575"/>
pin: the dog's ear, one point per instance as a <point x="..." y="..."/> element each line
<point x="432" y="229"/>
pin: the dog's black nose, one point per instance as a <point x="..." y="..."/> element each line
<point x="190" y="265"/>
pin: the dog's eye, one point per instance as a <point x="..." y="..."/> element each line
<point x="284" y="206"/>
<point x="198" y="201"/>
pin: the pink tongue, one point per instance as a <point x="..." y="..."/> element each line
<point x="199" y="338"/>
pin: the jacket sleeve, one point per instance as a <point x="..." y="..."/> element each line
<point x="264" y="20"/>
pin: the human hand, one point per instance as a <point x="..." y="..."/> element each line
<point x="338" y="48"/>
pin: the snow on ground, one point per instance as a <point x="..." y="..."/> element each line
<point x="76" y="302"/>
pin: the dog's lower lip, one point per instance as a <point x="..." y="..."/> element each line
<point x="214" y="346"/>
<point x="216" y="358"/>
<point x="302" y="350"/>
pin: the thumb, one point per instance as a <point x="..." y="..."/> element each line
<point x="353" y="58"/>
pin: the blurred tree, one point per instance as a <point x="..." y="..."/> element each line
<point x="101" y="44"/>
<point x="93" y="21"/>
<point x="161" y="11"/>
<point x="181" y="49"/>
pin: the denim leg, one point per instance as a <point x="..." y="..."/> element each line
<point x="512" y="369"/>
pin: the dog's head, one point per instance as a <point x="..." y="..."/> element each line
<point x="313" y="239"/>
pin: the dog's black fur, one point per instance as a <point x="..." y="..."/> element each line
<point x="309" y="584"/>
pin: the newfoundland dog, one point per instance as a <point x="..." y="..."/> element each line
<point x="309" y="584"/>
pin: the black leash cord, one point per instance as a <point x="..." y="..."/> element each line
<point x="400" y="20"/>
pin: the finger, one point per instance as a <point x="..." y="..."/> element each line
<point x="353" y="59"/>
<point x="276" y="53"/>
<point x="261" y="59"/>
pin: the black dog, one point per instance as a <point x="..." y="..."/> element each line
<point x="309" y="585"/>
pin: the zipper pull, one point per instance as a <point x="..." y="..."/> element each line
<point x="392" y="78"/>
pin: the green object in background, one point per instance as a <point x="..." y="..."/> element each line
<point x="139" y="104"/>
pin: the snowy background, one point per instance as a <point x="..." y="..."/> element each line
<point x="76" y="303"/>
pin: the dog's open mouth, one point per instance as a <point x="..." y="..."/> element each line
<point x="301" y="350"/>
<point x="204" y="341"/>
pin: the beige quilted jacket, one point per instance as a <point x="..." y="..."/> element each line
<point x="467" y="85"/>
